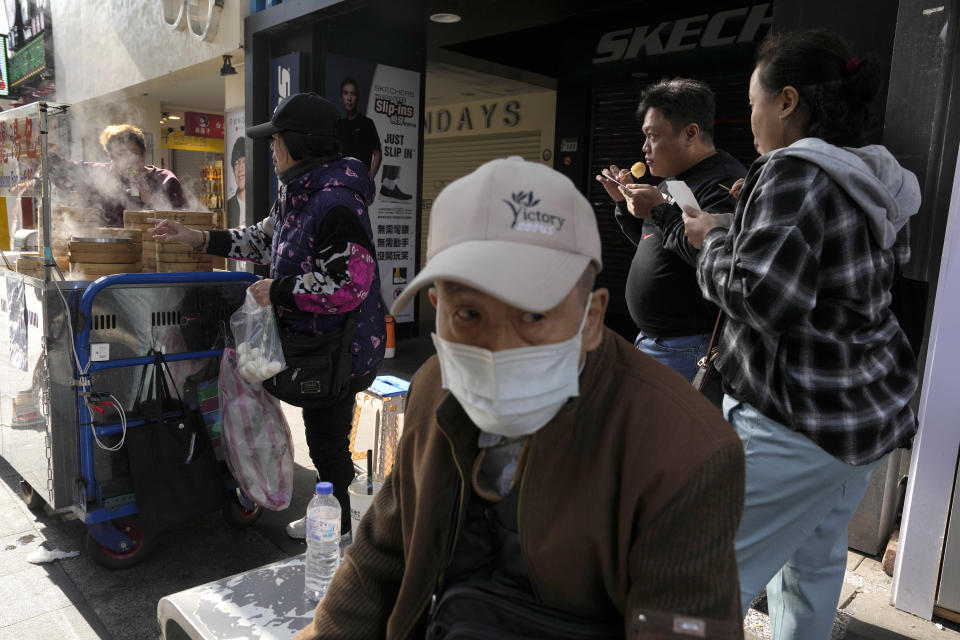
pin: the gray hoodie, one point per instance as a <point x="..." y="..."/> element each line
<point x="886" y="192"/>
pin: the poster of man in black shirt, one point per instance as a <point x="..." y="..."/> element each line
<point x="357" y="134"/>
<point x="380" y="125"/>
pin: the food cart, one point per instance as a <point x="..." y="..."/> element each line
<point x="67" y="345"/>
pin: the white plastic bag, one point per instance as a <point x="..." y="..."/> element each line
<point x="258" y="444"/>
<point x="259" y="352"/>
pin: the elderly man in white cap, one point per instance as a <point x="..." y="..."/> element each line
<point x="551" y="481"/>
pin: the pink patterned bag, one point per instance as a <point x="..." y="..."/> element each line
<point x="259" y="447"/>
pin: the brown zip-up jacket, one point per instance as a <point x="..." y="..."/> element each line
<point x="628" y="506"/>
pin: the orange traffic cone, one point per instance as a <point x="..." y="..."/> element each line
<point x="391" y="337"/>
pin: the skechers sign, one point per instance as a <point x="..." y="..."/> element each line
<point x="684" y="34"/>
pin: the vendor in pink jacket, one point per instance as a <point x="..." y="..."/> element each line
<point x="126" y="182"/>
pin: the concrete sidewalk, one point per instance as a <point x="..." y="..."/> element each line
<point x="75" y="598"/>
<point x="864" y="611"/>
<point x="72" y="599"/>
<point x="39" y="601"/>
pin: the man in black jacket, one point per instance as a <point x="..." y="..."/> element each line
<point x="673" y="319"/>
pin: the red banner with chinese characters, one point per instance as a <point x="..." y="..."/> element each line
<point x="202" y="125"/>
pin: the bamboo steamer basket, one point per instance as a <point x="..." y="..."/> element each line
<point x="104" y="250"/>
<point x="190" y="218"/>
<point x="31" y="264"/>
<point x="174" y="267"/>
<point x="176" y="252"/>
<point x="174" y="248"/>
<point x="184" y="258"/>
<point x="172" y="257"/>
<point x="156" y="256"/>
<point x="134" y="235"/>
<point x="147" y="250"/>
<point x="142" y="229"/>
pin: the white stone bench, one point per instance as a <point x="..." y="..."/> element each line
<point x="266" y="603"/>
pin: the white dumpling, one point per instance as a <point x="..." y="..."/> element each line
<point x="249" y="373"/>
<point x="273" y="368"/>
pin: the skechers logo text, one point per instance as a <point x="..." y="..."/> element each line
<point x="526" y="218"/>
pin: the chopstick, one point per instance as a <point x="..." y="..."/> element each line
<point x="609" y="176"/>
<point x="727" y="189"/>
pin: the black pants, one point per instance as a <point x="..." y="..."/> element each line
<point x="328" y="439"/>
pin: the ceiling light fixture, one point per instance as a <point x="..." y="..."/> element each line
<point x="227" y="68"/>
<point x="444" y="18"/>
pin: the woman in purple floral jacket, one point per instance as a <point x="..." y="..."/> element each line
<point x="318" y="242"/>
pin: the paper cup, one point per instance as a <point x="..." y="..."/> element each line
<point x="359" y="498"/>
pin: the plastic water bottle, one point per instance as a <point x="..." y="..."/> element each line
<point x="323" y="541"/>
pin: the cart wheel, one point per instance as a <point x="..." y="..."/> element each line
<point x="143" y="543"/>
<point x="237" y="511"/>
<point x="31" y="497"/>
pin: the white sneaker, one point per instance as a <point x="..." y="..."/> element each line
<point x="298" y="529"/>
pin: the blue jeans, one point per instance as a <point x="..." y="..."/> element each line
<point x="793" y="536"/>
<point x="680" y="353"/>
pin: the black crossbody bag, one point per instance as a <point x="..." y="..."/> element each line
<point x="318" y="367"/>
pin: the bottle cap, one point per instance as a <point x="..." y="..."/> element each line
<point x="324" y="488"/>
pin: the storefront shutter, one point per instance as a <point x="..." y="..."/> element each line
<point x="447" y="159"/>
<point x="616" y="139"/>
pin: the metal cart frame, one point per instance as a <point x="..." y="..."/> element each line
<point x="56" y="342"/>
<point x="89" y="504"/>
<point x="115" y="321"/>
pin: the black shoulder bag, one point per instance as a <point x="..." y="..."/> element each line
<point x="481" y="611"/>
<point x="318" y="367"/>
<point x="176" y="476"/>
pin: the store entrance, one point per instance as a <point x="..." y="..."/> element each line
<point x="472" y="117"/>
<point x="201" y="173"/>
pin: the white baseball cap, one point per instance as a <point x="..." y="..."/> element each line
<point x="515" y="230"/>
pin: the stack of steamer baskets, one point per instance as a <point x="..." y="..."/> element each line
<point x="93" y="257"/>
<point x="170" y="256"/>
<point x="32" y="264"/>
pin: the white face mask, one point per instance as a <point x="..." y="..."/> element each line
<point x="513" y="392"/>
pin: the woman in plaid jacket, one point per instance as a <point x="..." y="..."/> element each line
<point x="818" y="373"/>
